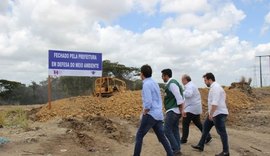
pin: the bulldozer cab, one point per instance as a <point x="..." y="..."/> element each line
<point x="106" y="86"/>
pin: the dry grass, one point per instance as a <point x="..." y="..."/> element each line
<point x="2" y="118"/>
<point x="16" y="117"/>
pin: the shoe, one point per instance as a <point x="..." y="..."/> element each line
<point x="223" y="154"/>
<point x="183" y="141"/>
<point x="197" y="147"/>
<point x="208" y="140"/>
<point x="177" y="153"/>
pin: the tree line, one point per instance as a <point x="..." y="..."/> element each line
<point x="12" y="92"/>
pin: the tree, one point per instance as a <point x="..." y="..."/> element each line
<point x="74" y="86"/>
<point x="8" y="92"/>
<point x="118" y="70"/>
<point x="122" y="72"/>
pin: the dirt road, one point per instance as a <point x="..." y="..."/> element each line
<point x="49" y="139"/>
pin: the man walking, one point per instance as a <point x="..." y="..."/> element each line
<point x="192" y="108"/>
<point x="173" y="102"/>
<point x="152" y="115"/>
<point x="217" y="114"/>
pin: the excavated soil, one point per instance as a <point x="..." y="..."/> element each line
<point x="127" y="105"/>
<point x="107" y="127"/>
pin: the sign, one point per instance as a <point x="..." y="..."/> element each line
<point x="71" y="63"/>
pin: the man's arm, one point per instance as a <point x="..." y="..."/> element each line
<point x="179" y="99"/>
<point x="188" y="92"/>
<point x="212" y="111"/>
<point x="183" y="110"/>
<point x="214" y="102"/>
<point x="147" y="99"/>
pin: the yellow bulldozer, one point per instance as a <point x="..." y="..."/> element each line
<point x="107" y="86"/>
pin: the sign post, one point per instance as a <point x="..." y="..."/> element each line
<point x="49" y="92"/>
<point x="73" y="63"/>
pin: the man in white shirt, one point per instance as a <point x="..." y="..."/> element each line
<point x="217" y="114"/>
<point x="192" y="108"/>
<point x="173" y="102"/>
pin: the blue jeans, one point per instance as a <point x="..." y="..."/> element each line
<point x="171" y="129"/>
<point x="219" y="123"/>
<point x="147" y="123"/>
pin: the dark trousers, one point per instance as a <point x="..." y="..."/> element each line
<point x="219" y="123"/>
<point x="171" y="128"/>
<point x="147" y="123"/>
<point x="186" y="122"/>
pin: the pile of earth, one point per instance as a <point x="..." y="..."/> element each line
<point x="83" y="132"/>
<point x="128" y="105"/>
<point x="106" y="126"/>
<point x="237" y="101"/>
<point x="125" y="105"/>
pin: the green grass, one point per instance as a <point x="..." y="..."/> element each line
<point x="14" y="118"/>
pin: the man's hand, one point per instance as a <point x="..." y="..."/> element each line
<point x="212" y="111"/>
<point x="210" y="117"/>
<point x="145" y="111"/>
<point x="181" y="108"/>
<point x="184" y="114"/>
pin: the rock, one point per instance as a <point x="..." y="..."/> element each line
<point x="31" y="140"/>
<point x="3" y="140"/>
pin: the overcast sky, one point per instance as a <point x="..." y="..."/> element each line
<point x="193" y="37"/>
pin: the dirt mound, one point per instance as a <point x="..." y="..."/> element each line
<point x="31" y="114"/>
<point x="102" y="125"/>
<point x="243" y="85"/>
<point x="236" y="101"/>
<point x="84" y="141"/>
<point x="124" y="105"/>
<point x="127" y="105"/>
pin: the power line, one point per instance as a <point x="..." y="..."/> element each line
<point x="260" y="59"/>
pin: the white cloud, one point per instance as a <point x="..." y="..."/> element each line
<point x="194" y="41"/>
<point x="148" y="6"/>
<point x="4" y="6"/>
<point x="262" y="49"/>
<point x="222" y="18"/>
<point x="184" y="6"/>
<point x="182" y="50"/>
<point x="104" y="10"/>
<point x="266" y="25"/>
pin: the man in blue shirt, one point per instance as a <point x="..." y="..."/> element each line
<point x="152" y="115"/>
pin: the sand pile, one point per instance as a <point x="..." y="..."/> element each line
<point x="126" y="105"/>
<point x="236" y="101"/>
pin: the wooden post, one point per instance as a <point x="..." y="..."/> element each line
<point x="49" y="92"/>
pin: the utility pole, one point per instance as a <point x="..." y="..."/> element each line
<point x="254" y="76"/>
<point x="260" y="59"/>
